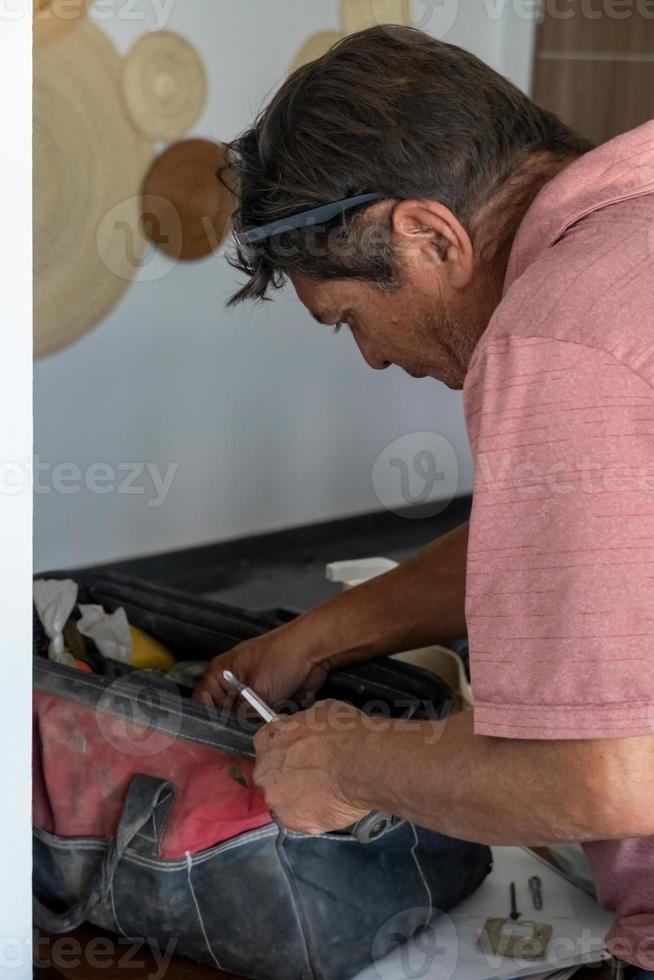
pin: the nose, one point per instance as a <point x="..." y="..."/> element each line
<point x="373" y="360"/>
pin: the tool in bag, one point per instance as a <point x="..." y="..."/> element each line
<point x="147" y="822"/>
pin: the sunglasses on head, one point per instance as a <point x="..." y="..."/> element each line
<point x="303" y="219"/>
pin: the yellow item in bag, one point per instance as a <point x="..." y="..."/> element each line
<point x="148" y="653"/>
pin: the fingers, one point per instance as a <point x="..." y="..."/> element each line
<point x="214" y="689"/>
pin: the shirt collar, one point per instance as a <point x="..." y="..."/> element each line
<point x="615" y="171"/>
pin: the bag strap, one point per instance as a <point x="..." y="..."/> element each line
<point x="148" y="838"/>
<point x="147" y="805"/>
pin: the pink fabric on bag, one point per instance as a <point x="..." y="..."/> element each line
<point x="85" y="762"/>
<point x="559" y="404"/>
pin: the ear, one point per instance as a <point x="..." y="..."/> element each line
<point x="429" y="236"/>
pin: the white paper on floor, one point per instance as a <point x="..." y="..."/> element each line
<point x="448" y="948"/>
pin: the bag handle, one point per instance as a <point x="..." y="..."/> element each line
<point x="147" y="798"/>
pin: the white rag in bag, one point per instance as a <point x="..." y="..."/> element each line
<point x="55" y="600"/>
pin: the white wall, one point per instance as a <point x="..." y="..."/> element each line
<point x="271" y="420"/>
<point x="15" y="496"/>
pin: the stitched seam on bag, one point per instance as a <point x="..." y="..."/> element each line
<point x="234" y="844"/>
<point x="101" y="689"/>
<point x="160" y="864"/>
<point x="189" y="868"/>
<point x="174" y="864"/>
<point x="341" y="838"/>
<point x="422" y="874"/>
<point x="297" y="904"/>
<point x="167" y="816"/>
<point x="115" y="914"/>
<point x="90" y="682"/>
<point x="155" y="839"/>
<point x="380" y="685"/>
<point x="63" y="843"/>
<point x="168" y="708"/>
<point x="141" y="835"/>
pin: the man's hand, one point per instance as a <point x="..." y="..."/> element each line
<point x="301" y="760"/>
<point x="276" y="666"/>
<point x="326" y="768"/>
<point x="419" y="603"/>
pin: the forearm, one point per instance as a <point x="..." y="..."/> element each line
<point x="503" y="791"/>
<point x="419" y="603"/>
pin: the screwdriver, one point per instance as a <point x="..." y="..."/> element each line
<point x="251" y="697"/>
<point x="515" y="915"/>
<point x="367" y="829"/>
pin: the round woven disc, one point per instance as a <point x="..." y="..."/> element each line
<point x="54" y="18"/>
<point x="357" y="15"/>
<point x="315" y="47"/>
<point x="164" y="85"/>
<point x="184" y="176"/>
<point x="89" y="164"/>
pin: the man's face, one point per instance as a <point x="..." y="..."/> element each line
<point x="422" y="326"/>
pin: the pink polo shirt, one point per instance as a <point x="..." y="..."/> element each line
<point x="559" y="404"/>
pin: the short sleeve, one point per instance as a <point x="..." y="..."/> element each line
<point x="560" y="586"/>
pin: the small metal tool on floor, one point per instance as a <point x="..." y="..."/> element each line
<point x="367" y="829"/>
<point x="536" y="889"/>
<point x="514" y="914"/>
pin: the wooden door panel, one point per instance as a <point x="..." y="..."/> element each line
<point x="595" y="69"/>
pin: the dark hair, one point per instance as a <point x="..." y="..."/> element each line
<point x="391" y="110"/>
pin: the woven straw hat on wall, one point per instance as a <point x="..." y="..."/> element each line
<point x="357" y="15"/>
<point x="54" y="18"/>
<point x="316" y="46"/>
<point x="89" y="165"/>
<point x="164" y="85"/>
<point x="186" y="208"/>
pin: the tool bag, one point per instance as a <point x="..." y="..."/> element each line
<point x="148" y="824"/>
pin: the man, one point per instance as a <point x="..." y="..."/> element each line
<point x="490" y="248"/>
